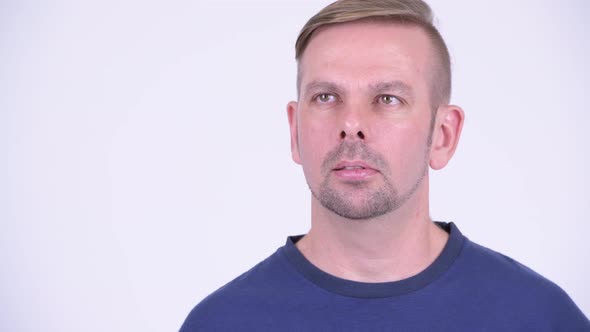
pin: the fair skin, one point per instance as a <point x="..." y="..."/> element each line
<point x="365" y="89"/>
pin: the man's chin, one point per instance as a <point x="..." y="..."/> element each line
<point x="357" y="208"/>
<point x="359" y="214"/>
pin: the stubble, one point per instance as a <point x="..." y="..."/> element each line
<point x="360" y="201"/>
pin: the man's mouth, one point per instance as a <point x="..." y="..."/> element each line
<point x="347" y="168"/>
<point x="351" y="166"/>
<point x="354" y="171"/>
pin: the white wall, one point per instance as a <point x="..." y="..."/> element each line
<point x="145" y="155"/>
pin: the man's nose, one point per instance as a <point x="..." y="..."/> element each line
<point x="352" y="125"/>
<point x="359" y="134"/>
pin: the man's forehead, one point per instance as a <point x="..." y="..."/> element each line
<point x="372" y="53"/>
<point x="367" y="34"/>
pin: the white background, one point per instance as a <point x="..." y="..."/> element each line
<point x="144" y="149"/>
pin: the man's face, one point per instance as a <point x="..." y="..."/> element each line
<point x="362" y="124"/>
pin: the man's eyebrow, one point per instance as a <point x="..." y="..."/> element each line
<point x="398" y="87"/>
<point x="323" y="86"/>
<point x="394" y="86"/>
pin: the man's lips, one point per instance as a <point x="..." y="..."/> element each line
<point x="352" y="165"/>
<point x="354" y="170"/>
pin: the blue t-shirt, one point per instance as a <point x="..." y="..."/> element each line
<point x="467" y="288"/>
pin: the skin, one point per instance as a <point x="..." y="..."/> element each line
<point x="366" y="100"/>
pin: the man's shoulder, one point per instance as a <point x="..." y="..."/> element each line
<point x="247" y="290"/>
<point x="490" y="276"/>
<point x="480" y="266"/>
<point x="499" y="268"/>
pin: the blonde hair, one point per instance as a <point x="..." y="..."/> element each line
<point x="405" y="12"/>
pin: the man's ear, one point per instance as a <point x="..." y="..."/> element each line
<point x="292" y="114"/>
<point x="445" y="135"/>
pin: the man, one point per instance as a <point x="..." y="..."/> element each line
<point x="372" y="116"/>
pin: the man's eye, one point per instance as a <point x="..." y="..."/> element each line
<point x="389" y="100"/>
<point x="325" y="97"/>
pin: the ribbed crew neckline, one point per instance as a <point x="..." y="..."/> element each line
<point x="380" y="289"/>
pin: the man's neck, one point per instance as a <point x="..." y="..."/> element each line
<point x="392" y="247"/>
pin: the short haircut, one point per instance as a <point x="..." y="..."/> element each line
<point x="404" y="12"/>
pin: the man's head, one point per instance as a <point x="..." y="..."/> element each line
<point x="371" y="114"/>
<point x="403" y="12"/>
